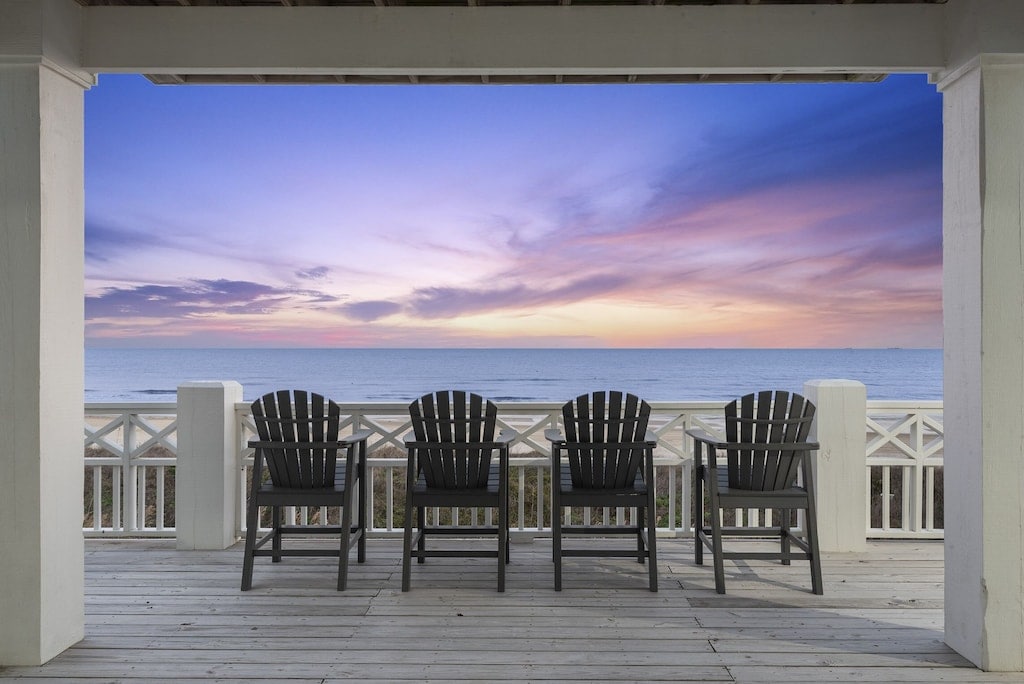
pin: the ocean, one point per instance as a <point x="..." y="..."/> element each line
<point x="400" y="375"/>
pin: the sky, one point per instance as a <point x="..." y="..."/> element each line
<point x="678" y="216"/>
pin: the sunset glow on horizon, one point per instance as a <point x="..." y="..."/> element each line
<point x="518" y="216"/>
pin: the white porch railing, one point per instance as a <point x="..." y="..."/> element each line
<point x="904" y="459"/>
<point x="130" y="454"/>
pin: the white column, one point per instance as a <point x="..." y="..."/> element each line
<point x="839" y="467"/>
<point x="206" y="477"/>
<point x="983" y="327"/>
<point x="41" y="362"/>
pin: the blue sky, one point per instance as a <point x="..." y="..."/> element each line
<point x="521" y="216"/>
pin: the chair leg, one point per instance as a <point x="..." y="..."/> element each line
<point x="698" y="511"/>
<point x="276" y="542"/>
<point x="407" y="549"/>
<point x="421" y="524"/>
<point x="784" y="533"/>
<point x="641" y="547"/>
<point x="817" y="585"/>
<point x="502" y="534"/>
<point x="716" y="543"/>
<point x="407" y="536"/>
<point x="508" y="535"/>
<point x="652" y="544"/>
<point x="556" y="535"/>
<point x="346" y="531"/>
<point x="361" y="517"/>
<point x="811" y="522"/>
<point x="251" y="523"/>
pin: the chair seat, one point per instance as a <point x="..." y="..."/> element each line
<point x="462" y="498"/>
<point x="602" y="497"/>
<point x="323" y="496"/>
<point x="493" y="479"/>
<point x="792" y="497"/>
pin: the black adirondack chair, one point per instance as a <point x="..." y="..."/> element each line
<point x="451" y="453"/>
<point x="765" y="449"/>
<point x="299" y="447"/>
<point x="605" y="458"/>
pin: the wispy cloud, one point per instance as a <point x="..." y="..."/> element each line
<point x="370" y="310"/>
<point x="314" y="273"/>
<point x="197" y="298"/>
<point x="722" y="216"/>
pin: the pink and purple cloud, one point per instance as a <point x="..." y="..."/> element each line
<point x="577" y="216"/>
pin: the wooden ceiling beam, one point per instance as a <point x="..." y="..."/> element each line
<point x="578" y="40"/>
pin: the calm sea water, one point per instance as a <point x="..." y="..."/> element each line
<point x="353" y="375"/>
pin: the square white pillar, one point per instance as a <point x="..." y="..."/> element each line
<point x="840" y="428"/>
<point x="206" y="477"/>
<point x="42" y="248"/>
<point x="983" y="328"/>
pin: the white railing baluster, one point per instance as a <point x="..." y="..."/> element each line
<point x="160" y="490"/>
<point x="97" y="505"/>
<point x="115" y="510"/>
<point x="139" y="482"/>
<point x="867" y="509"/>
<point x="130" y="474"/>
<point x="521" y="500"/>
<point x="929" y="515"/>
<point x="390" y="497"/>
<point x="540" y="498"/>
<point x="886" y="500"/>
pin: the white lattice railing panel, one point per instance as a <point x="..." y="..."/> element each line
<point x="904" y="469"/>
<point x="130" y="453"/>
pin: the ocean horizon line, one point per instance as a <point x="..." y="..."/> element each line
<point x="499" y="348"/>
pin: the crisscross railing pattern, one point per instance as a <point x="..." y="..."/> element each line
<point x="904" y="474"/>
<point x="130" y="453"/>
<point x="131" y="449"/>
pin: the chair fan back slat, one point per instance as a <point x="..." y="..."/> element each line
<point x="447" y="418"/>
<point x="766" y="418"/>
<point x="775" y="434"/>
<point x="298" y="417"/>
<point x="801" y="414"/>
<point x="598" y="428"/>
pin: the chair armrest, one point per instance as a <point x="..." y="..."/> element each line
<point x="272" y="444"/>
<point x="554" y="435"/>
<point x="358" y="436"/>
<point x="651" y="438"/>
<point x="706" y="438"/>
<point x="501" y="443"/>
<point x="715" y="443"/>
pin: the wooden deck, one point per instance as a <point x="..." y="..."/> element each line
<point x="156" y="614"/>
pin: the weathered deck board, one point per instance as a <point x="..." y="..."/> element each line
<point x="156" y="614"/>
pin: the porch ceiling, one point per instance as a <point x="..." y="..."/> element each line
<point x="503" y="79"/>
